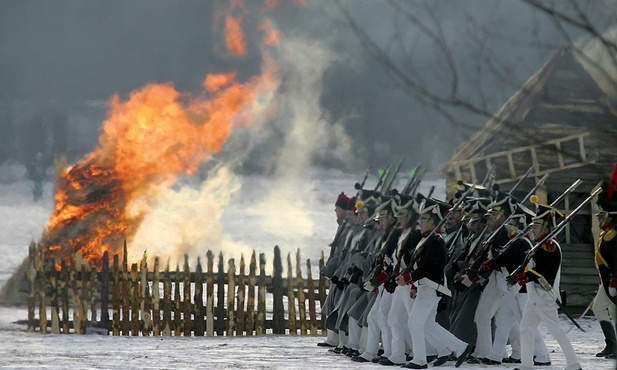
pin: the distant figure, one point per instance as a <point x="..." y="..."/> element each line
<point x="37" y="174"/>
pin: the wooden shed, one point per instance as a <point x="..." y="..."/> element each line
<point x="560" y="121"/>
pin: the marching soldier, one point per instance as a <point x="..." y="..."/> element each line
<point x="542" y="274"/>
<point x="377" y="319"/>
<point x="425" y="275"/>
<point x="340" y="209"/>
<point x="606" y="262"/>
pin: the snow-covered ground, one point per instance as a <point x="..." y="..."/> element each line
<point x="24" y="220"/>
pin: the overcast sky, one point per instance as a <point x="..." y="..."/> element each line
<point x="55" y="55"/>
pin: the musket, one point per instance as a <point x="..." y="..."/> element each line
<point x="382" y="177"/>
<point x="489" y="174"/>
<point x="529" y="194"/>
<point x="388" y="184"/>
<point x="360" y="186"/>
<point x="546" y="286"/>
<point x="437" y="227"/>
<point x="492" y="236"/>
<point x="413" y="181"/>
<point x="558" y="229"/>
<point x="522" y="178"/>
<point x="572" y="187"/>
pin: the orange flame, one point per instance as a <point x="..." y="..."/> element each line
<point x="271" y="36"/>
<point x="147" y="140"/>
<point x="234" y="36"/>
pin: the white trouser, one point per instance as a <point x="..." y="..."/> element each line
<point x="490" y="299"/>
<point x="423" y="327"/>
<point x="332" y="338"/>
<point x="532" y="316"/>
<point x="342" y="339"/>
<point x="377" y="326"/>
<point x="507" y="326"/>
<point x="603" y="307"/>
<point x="355" y="331"/>
<point x="397" y="319"/>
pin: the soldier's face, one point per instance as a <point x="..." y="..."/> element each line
<point x="426" y="224"/>
<point x="403" y="220"/>
<point x="454" y="218"/>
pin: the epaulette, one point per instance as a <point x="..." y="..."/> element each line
<point x="610" y="234"/>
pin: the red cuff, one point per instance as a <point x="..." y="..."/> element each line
<point x="383" y="277"/>
<point x="613" y="283"/>
<point x="407" y="277"/>
<point x="521" y="276"/>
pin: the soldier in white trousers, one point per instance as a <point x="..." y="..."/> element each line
<point x="541" y="276"/>
<point x="425" y="274"/>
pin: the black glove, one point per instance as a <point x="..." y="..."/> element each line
<point x="334" y="279"/>
<point x="390" y="285"/>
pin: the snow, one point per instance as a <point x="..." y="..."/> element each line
<point x="24" y="220"/>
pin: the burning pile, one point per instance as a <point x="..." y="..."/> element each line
<point x="146" y="141"/>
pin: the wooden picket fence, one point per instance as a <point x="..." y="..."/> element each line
<point x="114" y="299"/>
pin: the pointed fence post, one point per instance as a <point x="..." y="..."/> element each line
<point x="301" y="298"/>
<point x="126" y="294"/>
<point x="135" y="300"/>
<point x="105" y="291"/>
<point x="53" y="280"/>
<point x="156" y="300"/>
<point x="210" y="295"/>
<point x="231" y="295"/>
<point x="33" y="292"/>
<point x="167" y="303"/>
<point x="240" y="321"/>
<point x="40" y="268"/>
<point x="177" y="309"/>
<point x="64" y="295"/>
<point x="261" y="298"/>
<point x="200" y="324"/>
<point x="278" y="325"/>
<point x="78" y="310"/>
<point x="187" y="306"/>
<point x="291" y="299"/>
<point x="250" y="302"/>
<point x="310" y="286"/>
<point x="116" y="296"/>
<point x="220" y="297"/>
<point x="146" y="300"/>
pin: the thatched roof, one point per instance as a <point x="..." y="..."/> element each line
<point x="553" y="121"/>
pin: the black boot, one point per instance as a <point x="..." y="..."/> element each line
<point x="609" y="338"/>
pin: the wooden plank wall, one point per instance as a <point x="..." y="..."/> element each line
<point x="138" y="301"/>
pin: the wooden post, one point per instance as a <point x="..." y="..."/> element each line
<point x="291" y="299"/>
<point x="33" y="292"/>
<point x="310" y="285"/>
<point x="126" y="295"/>
<point x="135" y="301"/>
<point x="220" y="297"/>
<point x="210" y="295"/>
<point x="78" y="310"/>
<point x="231" y="295"/>
<point x="278" y="315"/>
<point x="53" y="280"/>
<point x="145" y="301"/>
<point x="177" y="328"/>
<point x="40" y="267"/>
<point x="64" y="295"/>
<point x="240" y="320"/>
<point x="322" y="291"/>
<point x="186" y="304"/>
<point x="261" y="298"/>
<point x="250" y="302"/>
<point x="167" y="302"/>
<point x="116" y="296"/>
<point x="200" y="325"/>
<point x="85" y="293"/>
<point x="105" y="291"/>
<point x="156" y="300"/>
<point x="301" y="298"/>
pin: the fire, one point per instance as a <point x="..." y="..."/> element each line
<point x="234" y="36"/>
<point x="148" y="139"/>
